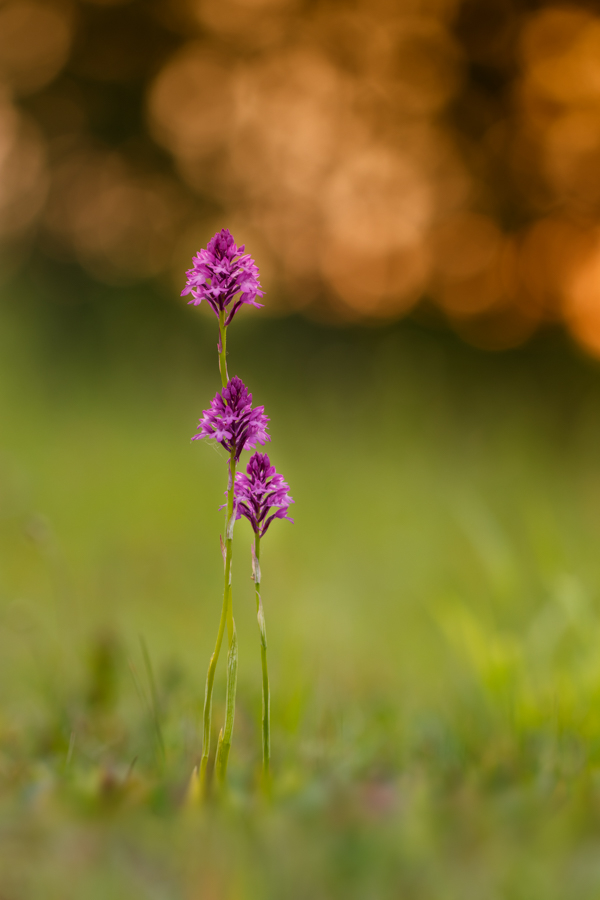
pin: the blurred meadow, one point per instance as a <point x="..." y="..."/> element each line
<point x="419" y="184"/>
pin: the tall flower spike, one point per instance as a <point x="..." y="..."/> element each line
<point x="221" y="273"/>
<point x="259" y="491"/>
<point x="232" y="422"/>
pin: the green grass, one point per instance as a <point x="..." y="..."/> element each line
<point x="433" y="615"/>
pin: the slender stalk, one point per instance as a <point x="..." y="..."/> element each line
<point x="226" y="618"/>
<point x="232" y="656"/>
<point x="262" y="628"/>
<point x="223" y="349"/>
<point x="225" y="736"/>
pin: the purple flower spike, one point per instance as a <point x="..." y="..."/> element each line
<point x="220" y="273"/>
<point x="260" y="491"/>
<point x="231" y="420"/>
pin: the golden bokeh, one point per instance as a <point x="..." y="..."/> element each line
<point x="371" y="155"/>
<point x="35" y="39"/>
<point x="23" y="171"/>
<point x="582" y="298"/>
<point x="118" y="224"/>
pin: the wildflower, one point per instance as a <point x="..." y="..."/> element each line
<point x="232" y="422"/>
<point x="259" y="491"/>
<point x="220" y="273"/>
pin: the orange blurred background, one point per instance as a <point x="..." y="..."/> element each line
<point x="436" y="158"/>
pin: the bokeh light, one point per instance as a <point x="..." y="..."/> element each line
<point x="119" y="224"/>
<point x="35" y="41"/>
<point x="582" y="300"/>
<point x="22" y="171"/>
<point x="376" y="154"/>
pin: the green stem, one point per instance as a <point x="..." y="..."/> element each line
<point x="226" y="618"/>
<point x="232" y="657"/>
<point x="266" y="696"/>
<point x="225" y="736"/>
<point x="223" y="349"/>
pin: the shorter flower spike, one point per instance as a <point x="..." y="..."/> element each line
<point x="259" y="491"/>
<point x="231" y="420"/>
<point x="220" y="273"/>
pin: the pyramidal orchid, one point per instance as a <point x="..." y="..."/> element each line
<point x="259" y="491"/>
<point x="261" y="495"/>
<point x="232" y="421"/>
<point x="236" y="425"/>
<point x="227" y="278"/>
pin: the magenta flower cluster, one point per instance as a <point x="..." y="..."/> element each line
<point x="259" y="491"/>
<point x="220" y="273"/>
<point x="227" y="278"/>
<point x="232" y="421"/>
